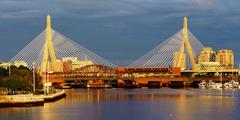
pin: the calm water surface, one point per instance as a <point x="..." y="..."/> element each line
<point x="135" y="104"/>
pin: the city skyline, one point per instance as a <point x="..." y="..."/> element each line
<point x="117" y="32"/>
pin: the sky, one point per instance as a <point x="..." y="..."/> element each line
<point x="120" y="31"/>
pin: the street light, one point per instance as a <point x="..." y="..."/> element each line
<point x="9" y="69"/>
<point x="34" y="81"/>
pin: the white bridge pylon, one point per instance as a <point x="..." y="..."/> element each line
<point x="163" y="54"/>
<point x="49" y="47"/>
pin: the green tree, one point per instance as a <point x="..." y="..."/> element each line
<point x="3" y="72"/>
<point x="3" y="82"/>
<point x="15" y="83"/>
<point x="21" y="78"/>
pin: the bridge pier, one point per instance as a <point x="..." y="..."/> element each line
<point x="154" y="84"/>
<point x="113" y="83"/>
<point x="176" y="84"/>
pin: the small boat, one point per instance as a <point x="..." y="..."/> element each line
<point x="65" y="86"/>
<point x="227" y="85"/>
<point x="96" y="85"/>
<point x="231" y="84"/>
<point x="218" y="86"/>
<point x="202" y="84"/>
<point x="234" y="83"/>
<point x="213" y="85"/>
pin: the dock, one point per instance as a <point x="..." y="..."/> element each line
<point x="29" y="100"/>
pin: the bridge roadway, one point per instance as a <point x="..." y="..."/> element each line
<point x="166" y="75"/>
<point x="212" y="71"/>
<point x="140" y="80"/>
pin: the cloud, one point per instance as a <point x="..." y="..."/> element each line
<point x="205" y="4"/>
<point x="97" y="8"/>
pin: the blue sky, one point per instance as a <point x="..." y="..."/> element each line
<point x="119" y="30"/>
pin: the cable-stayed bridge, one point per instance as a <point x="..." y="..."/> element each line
<point x="50" y="48"/>
<point x="55" y="54"/>
<point x="163" y="55"/>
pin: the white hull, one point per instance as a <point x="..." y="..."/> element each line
<point x="213" y="85"/>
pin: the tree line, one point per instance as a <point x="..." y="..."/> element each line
<point x="19" y="79"/>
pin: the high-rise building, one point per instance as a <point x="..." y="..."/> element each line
<point x="225" y="57"/>
<point x="206" y="55"/>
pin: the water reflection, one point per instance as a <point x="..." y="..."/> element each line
<point x="141" y="104"/>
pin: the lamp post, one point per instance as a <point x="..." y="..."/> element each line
<point x="221" y="75"/>
<point x="9" y="69"/>
<point x="238" y="72"/>
<point x="34" y="80"/>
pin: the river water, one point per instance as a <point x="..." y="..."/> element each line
<point x="135" y="104"/>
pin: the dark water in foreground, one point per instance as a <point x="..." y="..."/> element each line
<point x="135" y="104"/>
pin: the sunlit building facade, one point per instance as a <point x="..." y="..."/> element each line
<point x="75" y="63"/>
<point x="20" y="63"/>
<point x="207" y="55"/>
<point x="225" y="57"/>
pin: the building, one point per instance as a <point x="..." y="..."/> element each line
<point x="225" y="57"/>
<point x="81" y="63"/>
<point x="209" y="66"/>
<point x="4" y="65"/>
<point x="206" y="55"/>
<point x="72" y="59"/>
<point x="75" y="63"/>
<point x="20" y="63"/>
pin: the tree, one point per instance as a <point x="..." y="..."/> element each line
<point x="3" y="83"/>
<point x="21" y="78"/>
<point x="3" y="72"/>
<point x="17" y="84"/>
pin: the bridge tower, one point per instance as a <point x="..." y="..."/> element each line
<point x="179" y="58"/>
<point x="49" y="59"/>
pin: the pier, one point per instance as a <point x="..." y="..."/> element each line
<point x="29" y="100"/>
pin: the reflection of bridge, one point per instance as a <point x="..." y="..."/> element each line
<point x="62" y="58"/>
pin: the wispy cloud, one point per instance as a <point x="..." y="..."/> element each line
<point x="98" y="8"/>
<point x="204" y="4"/>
